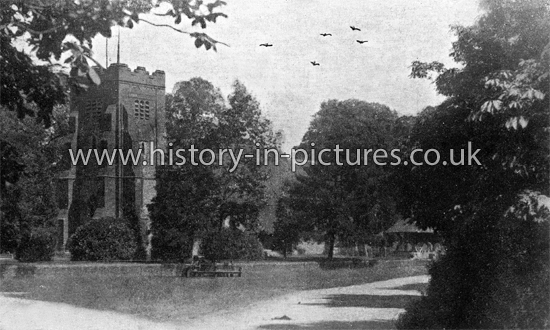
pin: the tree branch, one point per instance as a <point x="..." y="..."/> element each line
<point x="163" y="25"/>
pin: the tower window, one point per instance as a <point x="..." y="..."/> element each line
<point x="141" y="110"/>
<point x="94" y="108"/>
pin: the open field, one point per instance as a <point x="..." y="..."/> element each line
<point x="176" y="299"/>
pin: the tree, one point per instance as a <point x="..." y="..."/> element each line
<point x="492" y="216"/>
<point x="44" y="25"/>
<point x="289" y="228"/>
<point x="209" y="195"/>
<point x="347" y="199"/>
<point x="30" y="156"/>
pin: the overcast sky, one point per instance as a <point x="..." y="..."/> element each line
<point x="289" y="88"/>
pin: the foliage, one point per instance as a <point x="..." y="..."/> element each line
<point x="231" y="244"/>
<point x="171" y="244"/>
<point x="288" y="229"/>
<point x="36" y="246"/>
<point x="494" y="216"/>
<point x="193" y="199"/>
<point x="30" y="156"/>
<point x="350" y="198"/>
<point x="54" y="28"/>
<point x="496" y="278"/>
<point x="105" y="239"/>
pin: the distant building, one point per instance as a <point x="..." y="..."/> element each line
<point x="405" y="237"/>
<point x="126" y="111"/>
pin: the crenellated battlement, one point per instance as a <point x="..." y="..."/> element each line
<point x="121" y="72"/>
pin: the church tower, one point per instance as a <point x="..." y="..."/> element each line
<point x="125" y="112"/>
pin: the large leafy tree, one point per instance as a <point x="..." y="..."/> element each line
<point x="289" y="228"/>
<point x="349" y="199"/>
<point x="52" y="28"/>
<point x="494" y="216"/>
<point x="194" y="200"/>
<point x="30" y="157"/>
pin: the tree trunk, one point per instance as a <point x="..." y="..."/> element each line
<point x="331" y="240"/>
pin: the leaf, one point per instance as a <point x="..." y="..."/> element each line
<point x="489" y="83"/>
<point x="199" y="20"/>
<point x="94" y="77"/>
<point x="187" y="12"/>
<point x="523" y="121"/>
<point x="497" y="104"/>
<point x="178" y="20"/>
<point x="198" y="42"/>
<point x="212" y="17"/>
<point x="212" y="6"/>
<point x="512" y="123"/>
<point x="538" y="95"/>
<point x="486" y="106"/>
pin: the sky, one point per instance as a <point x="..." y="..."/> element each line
<point x="289" y="88"/>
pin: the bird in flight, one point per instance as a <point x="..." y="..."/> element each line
<point x="266" y="45"/>
<point x="326" y="34"/>
<point x="362" y="41"/>
<point x="315" y="63"/>
<point x="353" y="28"/>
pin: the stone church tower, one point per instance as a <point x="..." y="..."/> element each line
<point x="126" y="111"/>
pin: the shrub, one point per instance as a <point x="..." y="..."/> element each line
<point x="231" y="244"/>
<point x="171" y="245"/>
<point x="103" y="239"/>
<point x="493" y="275"/>
<point x="39" y="245"/>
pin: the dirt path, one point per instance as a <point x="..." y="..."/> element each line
<point x="367" y="306"/>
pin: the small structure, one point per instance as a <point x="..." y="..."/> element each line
<point x="406" y="237"/>
<point x="201" y="267"/>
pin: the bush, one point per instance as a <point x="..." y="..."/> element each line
<point x="171" y="245"/>
<point x="231" y="244"/>
<point x="493" y="275"/>
<point x="39" y="245"/>
<point x="103" y="239"/>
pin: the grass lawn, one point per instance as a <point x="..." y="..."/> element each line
<point x="177" y="299"/>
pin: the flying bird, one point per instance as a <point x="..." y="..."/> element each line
<point x="326" y="34"/>
<point x="266" y="45"/>
<point x="362" y="41"/>
<point x="353" y="28"/>
<point x="315" y="63"/>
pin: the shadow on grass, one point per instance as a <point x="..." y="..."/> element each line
<point x="414" y="286"/>
<point x="332" y="325"/>
<point x="367" y="301"/>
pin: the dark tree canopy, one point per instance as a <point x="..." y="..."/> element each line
<point x="196" y="200"/>
<point x="494" y="217"/>
<point x="349" y="201"/>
